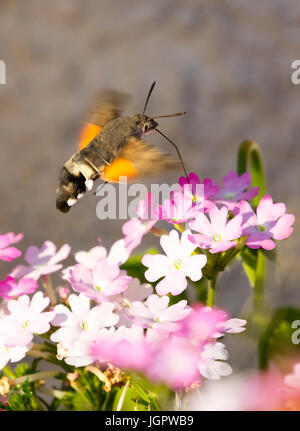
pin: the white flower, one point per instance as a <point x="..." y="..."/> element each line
<point x="81" y="321"/>
<point x="176" y="265"/>
<point x="212" y="365"/>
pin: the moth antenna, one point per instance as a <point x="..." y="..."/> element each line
<point x="178" y="152"/>
<point x="169" y="115"/>
<point x="148" y="97"/>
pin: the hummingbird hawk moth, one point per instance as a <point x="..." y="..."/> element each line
<point x="111" y="147"/>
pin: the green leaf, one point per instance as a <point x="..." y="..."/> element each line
<point x="277" y="337"/>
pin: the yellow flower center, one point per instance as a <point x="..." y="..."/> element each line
<point x="25" y="324"/>
<point x="98" y="288"/>
<point x="217" y="237"/>
<point x="178" y="263"/>
<point x="84" y="325"/>
<point x="260" y="228"/>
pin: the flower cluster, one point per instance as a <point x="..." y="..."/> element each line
<point x="112" y="317"/>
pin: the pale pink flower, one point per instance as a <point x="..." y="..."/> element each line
<point x="134" y="292"/>
<point x="100" y="283"/>
<point x="232" y="326"/>
<point x="63" y="292"/>
<point x="270" y="222"/>
<point x="12" y="354"/>
<point x="176" y="265"/>
<point x="25" y="319"/>
<point x="180" y="208"/>
<point x="90" y="258"/>
<point x="216" y="233"/>
<point x="41" y="261"/>
<point x="117" y="255"/>
<point x="8" y="253"/>
<point x="157" y="315"/>
<point x="11" y="288"/>
<point x="212" y="365"/>
<point x="80" y="354"/>
<point x="135" y="228"/>
<point x="81" y="321"/>
<point x="235" y="188"/>
<point x="293" y="380"/>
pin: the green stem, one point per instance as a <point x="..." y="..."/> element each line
<point x="249" y="153"/>
<point x="32" y="377"/>
<point x="8" y="372"/>
<point x="211" y="292"/>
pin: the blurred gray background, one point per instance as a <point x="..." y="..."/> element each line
<point x="227" y="63"/>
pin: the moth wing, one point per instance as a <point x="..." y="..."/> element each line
<point x="138" y="159"/>
<point x="105" y="107"/>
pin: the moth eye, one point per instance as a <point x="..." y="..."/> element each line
<point x="145" y="128"/>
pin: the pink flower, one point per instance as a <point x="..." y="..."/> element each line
<point x="183" y="357"/>
<point x="81" y="322"/>
<point x="25" y="319"/>
<point x="175" y="363"/>
<point x="270" y="222"/>
<point x="103" y="281"/>
<point x="137" y="227"/>
<point x="235" y="189"/>
<point x="41" y="261"/>
<point x="216" y="234"/>
<point x="156" y="314"/>
<point x="9" y="253"/>
<point x="197" y="192"/>
<point x="176" y="265"/>
<point x="10" y="288"/>
<point x="179" y="209"/>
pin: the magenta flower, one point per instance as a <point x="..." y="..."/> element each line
<point x="11" y="288"/>
<point x="235" y="189"/>
<point x="100" y="283"/>
<point x="197" y="192"/>
<point x="135" y="228"/>
<point x="176" y="265"/>
<point x="270" y="222"/>
<point x="216" y="233"/>
<point x="8" y="253"/>
<point x="41" y="261"/>
<point x="157" y="315"/>
<point x="25" y="318"/>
